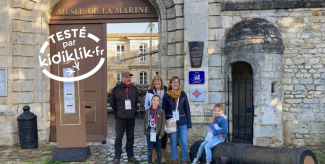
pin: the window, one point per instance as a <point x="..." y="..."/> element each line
<point x="143" y="50"/>
<point x="118" y="77"/>
<point x="157" y="73"/>
<point x="143" y="78"/>
<point x="119" y="52"/>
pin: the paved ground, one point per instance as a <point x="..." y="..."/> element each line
<point x="100" y="153"/>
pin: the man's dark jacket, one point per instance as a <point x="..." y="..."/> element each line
<point x="183" y="108"/>
<point x="117" y="102"/>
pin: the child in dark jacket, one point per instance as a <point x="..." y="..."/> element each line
<point x="154" y="127"/>
<point x="219" y="135"/>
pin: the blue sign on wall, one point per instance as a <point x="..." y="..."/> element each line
<point x="196" y="77"/>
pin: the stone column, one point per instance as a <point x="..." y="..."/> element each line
<point x="196" y="29"/>
<point x="216" y="82"/>
<point x="202" y="17"/>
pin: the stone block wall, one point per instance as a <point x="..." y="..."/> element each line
<point x="303" y="61"/>
<point x="175" y="40"/>
<point x="23" y="31"/>
<point x="203" y="23"/>
<point x="215" y="79"/>
<point x="171" y="38"/>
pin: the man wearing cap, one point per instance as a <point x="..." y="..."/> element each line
<point x="124" y="100"/>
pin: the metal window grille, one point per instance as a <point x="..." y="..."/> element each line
<point x="240" y="99"/>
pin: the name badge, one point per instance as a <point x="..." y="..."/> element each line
<point x="152" y="136"/>
<point x="176" y="115"/>
<point x="128" y="104"/>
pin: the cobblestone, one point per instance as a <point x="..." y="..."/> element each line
<point x="100" y="153"/>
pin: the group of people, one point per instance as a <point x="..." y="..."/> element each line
<point x="161" y="104"/>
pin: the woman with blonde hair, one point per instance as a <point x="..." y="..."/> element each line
<point x="175" y="105"/>
<point x="157" y="88"/>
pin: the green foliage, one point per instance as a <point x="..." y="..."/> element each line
<point x="49" y="161"/>
<point x="29" y="160"/>
<point x="142" y="92"/>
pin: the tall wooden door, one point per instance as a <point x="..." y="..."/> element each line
<point x="94" y="86"/>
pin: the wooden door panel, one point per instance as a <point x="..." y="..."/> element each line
<point x="90" y="112"/>
<point x="95" y="88"/>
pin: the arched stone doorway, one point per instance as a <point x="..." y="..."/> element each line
<point x="158" y="8"/>
<point x="242" y="102"/>
<point x="257" y="42"/>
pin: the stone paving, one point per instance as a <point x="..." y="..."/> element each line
<point x="101" y="153"/>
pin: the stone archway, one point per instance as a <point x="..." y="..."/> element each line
<point x="29" y="25"/>
<point x="259" y="43"/>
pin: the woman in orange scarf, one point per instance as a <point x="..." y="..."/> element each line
<point x="175" y="105"/>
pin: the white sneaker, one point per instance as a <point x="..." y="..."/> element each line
<point x="196" y="160"/>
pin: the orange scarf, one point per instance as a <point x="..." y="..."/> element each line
<point x="173" y="94"/>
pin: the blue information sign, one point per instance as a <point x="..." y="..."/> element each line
<point x="196" y="77"/>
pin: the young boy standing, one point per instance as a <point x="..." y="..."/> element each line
<point x="219" y="135"/>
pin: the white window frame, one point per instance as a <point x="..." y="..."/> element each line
<point x="144" y="77"/>
<point x="119" y="55"/>
<point x="120" y="76"/>
<point x="145" y="49"/>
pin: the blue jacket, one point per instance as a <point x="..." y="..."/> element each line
<point x="183" y="108"/>
<point x="222" y="122"/>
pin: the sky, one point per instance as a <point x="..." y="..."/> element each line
<point x="130" y="27"/>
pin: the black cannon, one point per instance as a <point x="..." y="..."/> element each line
<point x="231" y="153"/>
<point x="27" y="125"/>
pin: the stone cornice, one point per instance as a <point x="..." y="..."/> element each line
<point x="274" y="4"/>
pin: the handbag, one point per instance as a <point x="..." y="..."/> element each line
<point x="170" y="126"/>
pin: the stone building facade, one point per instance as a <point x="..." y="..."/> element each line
<point x="123" y="46"/>
<point x="279" y="45"/>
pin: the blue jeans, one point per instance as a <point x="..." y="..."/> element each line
<point x="207" y="145"/>
<point x="182" y="132"/>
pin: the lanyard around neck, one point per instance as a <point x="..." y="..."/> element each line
<point x="175" y="103"/>
<point x="154" y="116"/>
<point x="156" y="92"/>
<point x="127" y="91"/>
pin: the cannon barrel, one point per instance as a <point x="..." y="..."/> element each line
<point x="249" y="154"/>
